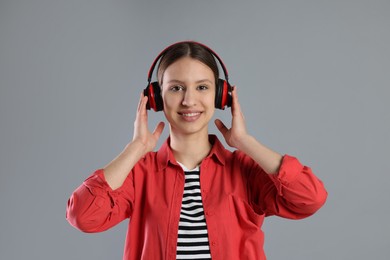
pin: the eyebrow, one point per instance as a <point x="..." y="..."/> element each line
<point x="197" y="82"/>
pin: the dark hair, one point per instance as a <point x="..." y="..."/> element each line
<point x="187" y="49"/>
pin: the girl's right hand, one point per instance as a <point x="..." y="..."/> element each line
<point x="141" y="131"/>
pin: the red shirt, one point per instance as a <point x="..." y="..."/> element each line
<point x="237" y="194"/>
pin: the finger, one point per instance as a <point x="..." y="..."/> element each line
<point x="234" y="98"/>
<point x="140" y="100"/>
<point x="158" y="130"/>
<point x="236" y="107"/>
<point x="221" y="126"/>
<point x="142" y="106"/>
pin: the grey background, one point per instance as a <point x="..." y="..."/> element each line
<point x="313" y="80"/>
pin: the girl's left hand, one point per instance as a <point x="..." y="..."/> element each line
<point x="237" y="131"/>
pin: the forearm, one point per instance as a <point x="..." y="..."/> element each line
<point x="117" y="170"/>
<point x="268" y="159"/>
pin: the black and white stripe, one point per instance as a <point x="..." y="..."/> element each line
<point x="192" y="242"/>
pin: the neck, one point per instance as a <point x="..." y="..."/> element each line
<point x="190" y="150"/>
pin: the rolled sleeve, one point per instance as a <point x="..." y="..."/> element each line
<point x="95" y="207"/>
<point x="299" y="192"/>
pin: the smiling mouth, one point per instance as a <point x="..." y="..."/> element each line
<point x="190" y="114"/>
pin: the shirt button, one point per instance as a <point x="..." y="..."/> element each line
<point x="213" y="243"/>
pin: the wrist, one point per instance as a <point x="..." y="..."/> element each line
<point x="244" y="142"/>
<point x="137" y="146"/>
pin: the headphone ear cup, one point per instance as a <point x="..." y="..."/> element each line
<point x="153" y="92"/>
<point x="223" y="94"/>
<point x="218" y="94"/>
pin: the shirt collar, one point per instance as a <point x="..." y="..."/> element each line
<point x="165" y="154"/>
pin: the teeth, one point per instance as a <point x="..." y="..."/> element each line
<point x="191" y="114"/>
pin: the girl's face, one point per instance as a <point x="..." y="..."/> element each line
<point x="188" y="92"/>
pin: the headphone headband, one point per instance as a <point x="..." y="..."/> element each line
<point x="150" y="74"/>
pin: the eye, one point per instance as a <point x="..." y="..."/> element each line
<point x="203" y="87"/>
<point x="176" y="88"/>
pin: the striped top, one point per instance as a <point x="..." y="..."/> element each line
<point x="192" y="241"/>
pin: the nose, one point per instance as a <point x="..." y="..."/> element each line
<point x="189" y="98"/>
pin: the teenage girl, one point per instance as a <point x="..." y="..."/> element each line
<point x="193" y="199"/>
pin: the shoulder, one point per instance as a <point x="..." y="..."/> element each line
<point x="227" y="156"/>
<point x="246" y="163"/>
<point x="149" y="160"/>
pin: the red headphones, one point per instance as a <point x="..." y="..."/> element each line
<point x="223" y="94"/>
